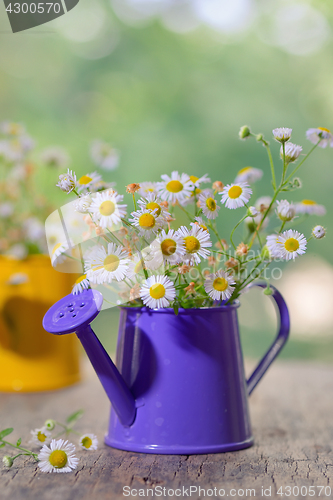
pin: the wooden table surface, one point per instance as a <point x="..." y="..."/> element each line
<point x="292" y="420"/>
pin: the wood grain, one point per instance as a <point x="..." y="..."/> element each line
<point x="292" y="419"/>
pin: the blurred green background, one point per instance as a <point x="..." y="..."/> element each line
<point x="169" y="83"/>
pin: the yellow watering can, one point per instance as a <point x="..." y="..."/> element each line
<point x="30" y="359"/>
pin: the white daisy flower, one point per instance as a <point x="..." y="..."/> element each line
<point x="83" y="203"/>
<point x="196" y="243"/>
<point x="282" y="134"/>
<point x="157" y="292"/>
<point x="169" y="247"/>
<point x="57" y="254"/>
<point x="236" y="195"/>
<point x="6" y="209"/>
<point x="199" y="180"/>
<point x="58" y="458"/>
<point x="147" y="188"/>
<point x="88" y="181"/>
<point x="104" y="155"/>
<point x="175" y="188"/>
<point x="82" y="283"/>
<point x="310" y="207"/>
<point x="40" y="436"/>
<point x="67" y="182"/>
<point x="201" y="223"/>
<point x="147" y="221"/>
<point x="88" y="442"/>
<point x="34" y="230"/>
<point x="17" y="252"/>
<point x="209" y="206"/>
<point x="249" y="175"/>
<point x="291" y="244"/>
<point x="104" y="266"/>
<point x="318" y="232"/>
<point x="286" y="211"/>
<point x="271" y="244"/>
<point x="18" y="279"/>
<point x="106" y="208"/>
<point x="314" y="134"/>
<point x="135" y="266"/>
<point x="152" y="202"/>
<point x="219" y="285"/>
<point x="12" y="128"/>
<point x="55" y="157"/>
<point x="292" y="152"/>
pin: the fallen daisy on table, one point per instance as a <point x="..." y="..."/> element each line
<point x="40" y="436"/>
<point x="59" y="457"/>
<point x="88" y="442"/>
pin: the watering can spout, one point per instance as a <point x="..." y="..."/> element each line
<point x="75" y="313"/>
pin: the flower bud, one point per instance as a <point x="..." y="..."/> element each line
<point x="252" y="212"/>
<point x="259" y="137"/>
<point x="244" y="132"/>
<point x="292" y="152"/>
<point x="7" y="461"/>
<point x="265" y="253"/>
<point x="286" y="211"/>
<point x="318" y="232"/>
<point x="268" y="290"/>
<point x="50" y="424"/>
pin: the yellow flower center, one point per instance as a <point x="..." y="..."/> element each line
<point x="41" y="437"/>
<point x="235" y="192"/>
<point x="85" y="179"/>
<point x="194" y="179"/>
<point x="168" y="247"/>
<point x="56" y="248"/>
<point x="192" y="244"/>
<point x="154" y="206"/>
<point x="211" y="204"/>
<point x="86" y="442"/>
<point x="111" y="263"/>
<point x="174" y="186"/>
<point x="324" y="129"/>
<point x="220" y="284"/>
<point x="81" y="278"/>
<point x="157" y="291"/>
<point x="138" y="267"/>
<point x="107" y="208"/>
<point x="243" y="170"/>
<point x="58" y="458"/>
<point x="291" y="245"/>
<point x="309" y="202"/>
<point x="147" y="221"/>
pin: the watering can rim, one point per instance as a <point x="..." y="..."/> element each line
<point x="181" y="310"/>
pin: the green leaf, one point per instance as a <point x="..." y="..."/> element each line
<point x="74" y="416"/>
<point x="19" y="441"/>
<point x="176" y="308"/>
<point x="6" y="432"/>
<point x="2" y="445"/>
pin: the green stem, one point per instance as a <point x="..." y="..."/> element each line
<point x="301" y="163"/>
<point x="21" y="448"/>
<point x="134" y="202"/>
<point x="271" y="163"/>
<point x="234" y="229"/>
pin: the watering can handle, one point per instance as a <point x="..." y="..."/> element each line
<point x="279" y="341"/>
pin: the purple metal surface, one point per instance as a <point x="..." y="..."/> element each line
<point x="182" y="389"/>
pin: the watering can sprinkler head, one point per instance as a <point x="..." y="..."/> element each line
<point x="74" y="313"/>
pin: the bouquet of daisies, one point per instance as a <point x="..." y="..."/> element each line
<point x="145" y="257"/>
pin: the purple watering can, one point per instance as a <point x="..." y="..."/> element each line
<point x="180" y="388"/>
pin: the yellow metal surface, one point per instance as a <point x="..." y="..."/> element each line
<point x="32" y="359"/>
